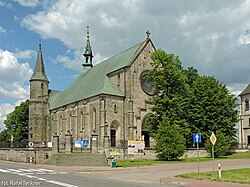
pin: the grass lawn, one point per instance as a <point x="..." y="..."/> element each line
<point x="235" y="176"/>
<point x="133" y="163"/>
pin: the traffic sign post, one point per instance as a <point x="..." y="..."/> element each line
<point x="219" y="170"/>
<point x="197" y="140"/>
<point x="31" y="145"/>
<point x="213" y="140"/>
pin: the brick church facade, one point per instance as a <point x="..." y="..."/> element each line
<point x="110" y="99"/>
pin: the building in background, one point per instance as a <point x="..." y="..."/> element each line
<point x="244" y="122"/>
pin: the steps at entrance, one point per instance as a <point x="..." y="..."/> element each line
<point x="78" y="159"/>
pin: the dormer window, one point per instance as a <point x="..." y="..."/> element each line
<point x="246" y="105"/>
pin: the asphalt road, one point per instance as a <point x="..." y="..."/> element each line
<point x="20" y="174"/>
<point x="16" y="174"/>
<point x="155" y="173"/>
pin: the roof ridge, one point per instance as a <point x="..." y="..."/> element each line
<point x="245" y="91"/>
<point x="122" y="52"/>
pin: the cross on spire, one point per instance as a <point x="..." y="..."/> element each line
<point x="87" y="31"/>
<point x="148" y="33"/>
<point x="88" y="52"/>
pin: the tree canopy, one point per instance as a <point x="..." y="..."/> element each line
<point x="185" y="103"/>
<point x="16" y="124"/>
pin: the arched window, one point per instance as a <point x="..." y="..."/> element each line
<point x="246" y="105"/>
<point x="115" y="109"/>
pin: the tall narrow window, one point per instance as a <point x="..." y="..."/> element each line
<point x="115" y="109"/>
<point x="94" y="119"/>
<point x="246" y="105"/>
<point x="118" y="80"/>
<point x="70" y="124"/>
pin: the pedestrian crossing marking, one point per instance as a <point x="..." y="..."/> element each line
<point x="22" y="171"/>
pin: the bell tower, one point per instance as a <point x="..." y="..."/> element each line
<point x="88" y="52"/>
<point x="38" y="107"/>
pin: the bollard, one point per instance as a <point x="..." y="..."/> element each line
<point x="219" y="170"/>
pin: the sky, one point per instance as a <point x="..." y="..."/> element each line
<point x="211" y="35"/>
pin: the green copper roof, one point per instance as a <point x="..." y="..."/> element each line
<point x="39" y="72"/>
<point x="53" y="95"/>
<point x="95" y="81"/>
<point x="245" y="91"/>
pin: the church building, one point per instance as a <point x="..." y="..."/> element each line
<point x="111" y="99"/>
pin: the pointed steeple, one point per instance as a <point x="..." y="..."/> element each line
<point x="88" y="52"/>
<point x="39" y="72"/>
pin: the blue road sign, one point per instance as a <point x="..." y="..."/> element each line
<point x="197" y="138"/>
<point x="82" y="143"/>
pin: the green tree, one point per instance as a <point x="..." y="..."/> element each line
<point x="170" y="143"/>
<point x="16" y="124"/>
<point x="211" y="108"/>
<point x="169" y="99"/>
<point x="5" y="136"/>
<point x="191" y="74"/>
<point x="188" y="103"/>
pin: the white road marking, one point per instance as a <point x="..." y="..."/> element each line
<point x="27" y="170"/>
<point x="48" y="170"/>
<point x="61" y="183"/>
<point x="4" y="171"/>
<point x="30" y="176"/>
<point x="28" y="173"/>
<point x="15" y="170"/>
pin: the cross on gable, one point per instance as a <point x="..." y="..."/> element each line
<point x="148" y="33"/>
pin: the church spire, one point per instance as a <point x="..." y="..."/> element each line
<point x="39" y="72"/>
<point x="88" y="52"/>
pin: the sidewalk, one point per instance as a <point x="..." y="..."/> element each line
<point x="199" y="183"/>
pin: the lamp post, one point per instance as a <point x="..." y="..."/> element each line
<point x="82" y="134"/>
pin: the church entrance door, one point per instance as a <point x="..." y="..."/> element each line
<point x="113" y="137"/>
<point x="146" y="138"/>
<point x="144" y="133"/>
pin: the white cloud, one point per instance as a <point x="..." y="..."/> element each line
<point x="77" y="60"/>
<point x="2" y="30"/>
<point x="65" y="19"/>
<point x="24" y="54"/>
<point x="236" y="89"/>
<point x="5" y="109"/>
<point x="4" y="4"/>
<point x="209" y="36"/>
<point x="28" y="3"/>
<point x="13" y="76"/>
